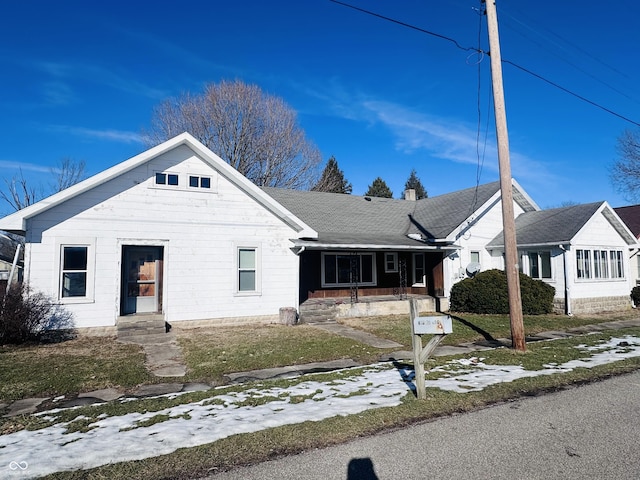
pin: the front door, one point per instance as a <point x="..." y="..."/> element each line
<point x="142" y="279"/>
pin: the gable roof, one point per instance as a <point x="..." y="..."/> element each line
<point x="353" y="221"/>
<point x="560" y="225"/>
<point x="630" y="215"/>
<point x="16" y="222"/>
<point x="438" y="217"/>
<point x="343" y="219"/>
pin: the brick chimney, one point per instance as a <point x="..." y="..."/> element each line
<point x="410" y="194"/>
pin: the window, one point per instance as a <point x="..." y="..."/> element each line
<point x="391" y="262"/>
<point x="583" y="266"/>
<point x="599" y="264"/>
<point x="475" y="257"/>
<point x="73" y="281"/>
<point x="202" y="182"/>
<point x="536" y="264"/>
<point x="617" y="268"/>
<point x="166" y="179"/>
<point x="343" y="269"/>
<point x="247" y="270"/>
<point x="419" y="269"/>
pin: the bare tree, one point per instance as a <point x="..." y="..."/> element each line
<point x="66" y="173"/>
<point x="256" y="133"/>
<point x="20" y="193"/>
<point x="625" y="171"/>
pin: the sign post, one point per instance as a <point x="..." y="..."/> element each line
<point x="436" y="325"/>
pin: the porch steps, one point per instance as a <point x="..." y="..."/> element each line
<point x="140" y="325"/>
<point x="317" y="313"/>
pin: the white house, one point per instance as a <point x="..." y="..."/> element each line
<point x="174" y="231"/>
<point x="178" y="235"/>
<point x="584" y="251"/>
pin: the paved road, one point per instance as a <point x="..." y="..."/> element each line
<point x="590" y="432"/>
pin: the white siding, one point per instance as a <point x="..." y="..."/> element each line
<point x="599" y="234"/>
<point x="198" y="228"/>
<point x="473" y="237"/>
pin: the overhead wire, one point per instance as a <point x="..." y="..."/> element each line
<point x="478" y="50"/>
<point x="556" y="53"/>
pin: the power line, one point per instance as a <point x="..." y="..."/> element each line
<point x="566" y="90"/>
<point x="413" y="27"/>
<point x="458" y="45"/>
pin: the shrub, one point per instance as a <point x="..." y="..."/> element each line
<point x="487" y="293"/>
<point x="26" y="316"/>
<point x="635" y="296"/>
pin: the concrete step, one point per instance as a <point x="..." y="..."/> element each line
<point x="137" y="325"/>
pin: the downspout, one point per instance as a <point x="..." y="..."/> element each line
<point x="297" y="297"/>
<point x="567" y="289"/>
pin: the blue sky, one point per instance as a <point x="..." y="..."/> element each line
<point x="80" y="80"/>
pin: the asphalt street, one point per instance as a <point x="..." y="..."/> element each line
<point x="587" y="432"/>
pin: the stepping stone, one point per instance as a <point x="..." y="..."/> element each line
<point x="196" y="387"/>
<point x="26" y="406"/>
<point x="157" y="389"/>
<point x="106" y="394"/>
<point x="79" y="402"/>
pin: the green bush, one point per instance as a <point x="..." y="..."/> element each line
<point x="27" y="316"/>
<point x="487" y="293"/>
<point x="635" y="296"/>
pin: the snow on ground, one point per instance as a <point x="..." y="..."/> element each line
<point x="28" y="454"/>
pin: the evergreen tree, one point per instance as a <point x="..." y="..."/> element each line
<point x="379" y="188"/>
<point x="332" y="179"/>
<point x="414" y="182"/>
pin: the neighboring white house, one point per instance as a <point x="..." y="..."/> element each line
<point x="178" y="234"/>
<point x="173" y="231"/>
<point x="584" y="251"/>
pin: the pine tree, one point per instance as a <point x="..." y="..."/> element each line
<point x="414" y="182"/>
<point x="379" y="188"/>
<point x="332" y="179"/>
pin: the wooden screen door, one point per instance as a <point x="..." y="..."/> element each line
<point x="142" y="279"/>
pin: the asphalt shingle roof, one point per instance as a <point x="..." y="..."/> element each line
<point x="352" y="219"/>
<point x="437" y="217"/>
<point x="631" y="217"/>
<point x="556" y="225"/>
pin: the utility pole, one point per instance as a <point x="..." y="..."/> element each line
<point x="506" y="187"/>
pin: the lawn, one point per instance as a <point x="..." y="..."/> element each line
<point x="86" y="364"/>
<point x="89" y="363"/>
<point x="473" y="328"/>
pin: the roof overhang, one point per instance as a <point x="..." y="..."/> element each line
<point x="302" y="245"/>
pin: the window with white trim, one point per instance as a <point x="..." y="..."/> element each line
<point x="74" y="271"/>
<point x="164" y="178"/>
<point x="196" y="181"/>
<point x="247" y="269"/>
<point x="536" y="264"/>
<point x="599" y="264"/>
<point x="390" y="262"/>
<point x="75" y="267"/>
<point x="419" y="270"/>
<point x="343" y="269"/>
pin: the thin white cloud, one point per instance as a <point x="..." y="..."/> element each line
<point x="108" y="134"/>
<point x="13" y="165"/>
<point x="63" y="74"/>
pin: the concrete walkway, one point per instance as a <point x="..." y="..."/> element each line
<point x="354" y="334"/>
<point x="163" y="355"/>
<point x="164" y="358"/>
